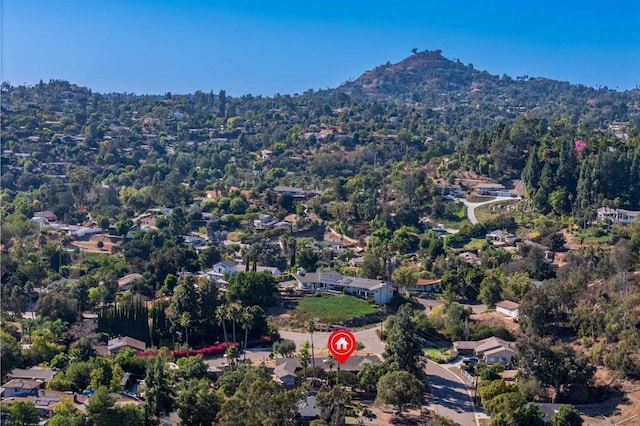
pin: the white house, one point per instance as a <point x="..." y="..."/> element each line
<point x="502" y="237"/>
<point x="380" y="291"/>
<point x="224" y="267"/>
<point x="231" y="267"/>
<point x="607" y="214"/>
<point x="508" y="308"/>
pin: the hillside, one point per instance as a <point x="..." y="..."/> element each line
<point x="430" y="79"/>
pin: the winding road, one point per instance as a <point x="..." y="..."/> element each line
<point x="471" y="207"/>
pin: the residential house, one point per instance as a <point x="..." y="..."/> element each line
<point x="193" y="240"/>
<point x="548" y="254"/>
<point x="124" y="283"/>
<point x="231" y="267"/>
<point x="470" y="258"/>
<point x="426" y="286"/>
<point x="114" y="346"/>
<point x="285" y="371"/>
<point x="308" y="409"/>
<point x="46" y="214"/>
<point x="492" y="189"/>
<point x="508" y="308"/>
<point x="380" y="291"/>
<point x="270" y="269"/>
<point x="502" y="237"/>
<point x="265" y="221"/>
<point x="39" y="374"/>
<point x="45" y="401"/>
<point x="21" y="387"/>
<point x="609" y="215"/>
<point x="225" y="267"/>
<point x="491" y="350"/>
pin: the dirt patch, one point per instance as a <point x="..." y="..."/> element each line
<point x="91" y="246"/>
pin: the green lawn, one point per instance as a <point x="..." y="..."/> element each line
<point x="333" y="309"/>
<point x="440" y="355"/>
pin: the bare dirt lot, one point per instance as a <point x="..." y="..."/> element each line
<point x="91" y="246"/>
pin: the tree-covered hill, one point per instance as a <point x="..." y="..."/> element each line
<point x="432" y="80"/>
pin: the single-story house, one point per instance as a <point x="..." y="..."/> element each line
<point x="39" y="374"/>
<point x="500" y="355"/>
<point x="116" y="345"/>
<point x="502" y="236"/>
<point x="124" y="283"/>
<point x="426" y="286"/>
<point x="380" y="291"/>
<point x="508" y="308"/>
<point x="490" y="350"/>
<point x="193" y="240"/>
<point x="46" y="401"/>
<point x="46" y="214"/>
<point x="492" y="189"/>
<point x="470" y="258"/>
<point x="231" y="267"/>
<point x="21" y="387"/>
<point x="607" y="214"/>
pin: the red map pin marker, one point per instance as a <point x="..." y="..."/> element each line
<point x="341" y="344"/>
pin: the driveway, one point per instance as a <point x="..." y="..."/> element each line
<point x="451" y="397"/>
<point x="471" y="207"/>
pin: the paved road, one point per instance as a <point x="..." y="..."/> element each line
<point x="471" y="207"/>
<point x="452" y="398"/>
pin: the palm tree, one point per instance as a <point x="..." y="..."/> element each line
<point x="221" y="316"/>
<point x="233" y="314"/>
<point x="311" y="327"/>
<point x="248" y="316"/>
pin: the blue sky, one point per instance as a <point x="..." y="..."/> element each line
<point x="268" y="47"/>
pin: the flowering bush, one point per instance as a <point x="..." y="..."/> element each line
<point x="580" y="146"/>
<point x="206" y="351"/>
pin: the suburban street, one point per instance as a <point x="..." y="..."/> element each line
<point x="451" y="396"/>
<point x="471" y="207"/>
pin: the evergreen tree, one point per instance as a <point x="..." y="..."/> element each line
<point x="158" y="392"/>
<point x="403" y="350"/>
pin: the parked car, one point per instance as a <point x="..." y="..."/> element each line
<point x="470" y="360"/>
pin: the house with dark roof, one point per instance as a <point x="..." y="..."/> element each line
<point x="380" y="291"/>
<point x="285" y="371"/>
<point x="426" y="286"/>
<point x="116" y="345"/>
<point x="39" y="374"/>
<point x="46" y="401"/>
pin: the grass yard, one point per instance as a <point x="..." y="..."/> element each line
<point x="333" y="309"/>
<point x="440" y="356"/>
<point x="474" y="244"/>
